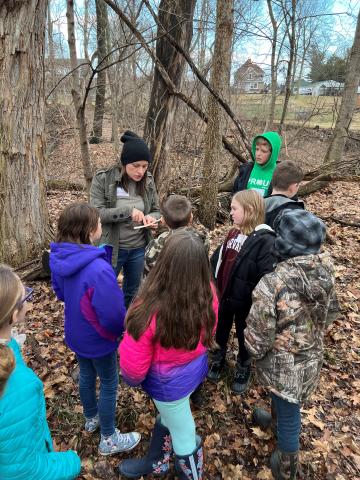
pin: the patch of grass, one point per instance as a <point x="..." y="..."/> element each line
<point x="322" y="110"/>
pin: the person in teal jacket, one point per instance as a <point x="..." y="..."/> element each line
<point x="26" y="447"/>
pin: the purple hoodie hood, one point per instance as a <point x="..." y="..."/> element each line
<point x="66" y="259"/>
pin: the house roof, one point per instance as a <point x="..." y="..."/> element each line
<point x="241" y="71"/>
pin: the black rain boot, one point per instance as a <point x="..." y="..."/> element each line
<point x="242" y="376"/>
<point x="191" y="467"/>
<point x="284" y="465"/>
<point x="156" y="461"/>
<point x="265" y="419"/>
<point x="216" y="365"/>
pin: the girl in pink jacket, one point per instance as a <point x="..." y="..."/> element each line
<point x="169" y="329"/>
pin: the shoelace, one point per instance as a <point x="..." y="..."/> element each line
<point x="125" y="437"/>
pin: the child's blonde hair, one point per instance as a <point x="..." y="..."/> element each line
<point x="254" y="209"/>
<point x="10" y="296"/>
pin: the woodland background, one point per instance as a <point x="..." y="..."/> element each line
<point x="75" y="75"/>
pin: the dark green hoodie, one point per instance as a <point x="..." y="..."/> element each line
<point x="261" y="175"/>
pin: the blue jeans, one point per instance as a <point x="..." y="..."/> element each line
<point x="106" y="369"/>
<point x="288" y="424"/>
<point x="132" y="263"/>
<point x="177" y="417"/>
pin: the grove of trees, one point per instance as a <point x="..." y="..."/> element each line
<point x="166" y="72"/>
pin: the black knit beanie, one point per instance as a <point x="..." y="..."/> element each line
<point x="134" y="149"/>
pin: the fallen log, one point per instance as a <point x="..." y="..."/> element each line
<point x="347" y="223"/>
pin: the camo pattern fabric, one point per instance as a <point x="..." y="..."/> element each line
<point x="154" y="248"/>
<point x="291" y="309"/>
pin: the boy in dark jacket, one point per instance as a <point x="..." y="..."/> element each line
<point x="257" y="174"/>
<point x="285" y="185"/>
<point x="291" y="309"/>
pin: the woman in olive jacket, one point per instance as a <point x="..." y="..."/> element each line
<point x="126" y="197"/>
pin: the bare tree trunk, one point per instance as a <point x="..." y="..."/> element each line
<point x="271" y="114"/>
<point x="290" y="25"/>
<point x="24" y="223"/>
<point x="86" y="30"/>
<point x="220" y="79"/>
<point x="75" y="91"/>
<point x="348" y="103"/>
<point x="101" y="25"/>
<point x="51" y="56"/>
<point x="113" y="82"/>
<point x="160" y="116"/>
<point x="303" y="56"/>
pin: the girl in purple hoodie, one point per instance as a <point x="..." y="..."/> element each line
<point x="83" y="278"/>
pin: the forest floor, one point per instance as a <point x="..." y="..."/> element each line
<point x="234" y="448"/>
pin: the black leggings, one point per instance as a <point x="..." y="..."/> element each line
<point x="225" y="322"/>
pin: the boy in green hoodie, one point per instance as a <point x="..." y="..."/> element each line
<point x="257" y="174"/>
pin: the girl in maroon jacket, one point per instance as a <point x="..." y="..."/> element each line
<point x="238" y="265"/>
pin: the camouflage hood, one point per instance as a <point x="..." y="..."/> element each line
<point x="291" y="309"/>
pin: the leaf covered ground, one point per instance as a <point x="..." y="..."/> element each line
<point x="234" y="448"/>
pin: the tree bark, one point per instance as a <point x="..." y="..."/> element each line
<point x="24" y="223"/>
<point x="271" y="114"/>
<point x="348" y="102"/>
<point x="220" y="79"/>
<point x="75" y="91"/>
<point x="86" y="30"/>
<point x="290" y="25"/>
<point x="51" y="56"/>
<point x="101" y="27"/>
<point x="162" y="108"/>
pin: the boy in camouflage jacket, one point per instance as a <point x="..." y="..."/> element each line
<point x="176" y="213"/>
<point x="285" y="329"/>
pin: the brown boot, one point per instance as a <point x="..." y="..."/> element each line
<point x="284" y="465"/>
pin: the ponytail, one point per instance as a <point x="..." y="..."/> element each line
<point x="7" y="365"/>
<point x="10" y="294"/>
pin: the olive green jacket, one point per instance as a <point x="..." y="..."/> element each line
<point x="103" y="197"/>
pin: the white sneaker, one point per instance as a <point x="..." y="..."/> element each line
<point x="118" y="442"/>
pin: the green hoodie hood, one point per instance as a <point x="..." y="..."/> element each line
<point x="275" y="141"/>
<point x="261" y="175"/>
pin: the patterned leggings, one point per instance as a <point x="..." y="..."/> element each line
<point x="177" y="417"/>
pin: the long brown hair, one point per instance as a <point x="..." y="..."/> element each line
<point x="140" y="185"/>
<point x="76" y="223"/>
<point x="178" y="291"/>
<point x="254" y="209"/>
<point x="10" y="296"/>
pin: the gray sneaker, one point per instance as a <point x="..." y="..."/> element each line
<point x="118" y="442"/>
<point x="92" y="424"/>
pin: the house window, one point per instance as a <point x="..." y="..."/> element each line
<point x="253" y="86"/>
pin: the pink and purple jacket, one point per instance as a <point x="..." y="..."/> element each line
<point x="83" y="278"/>
<point x="166" y="374"/>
